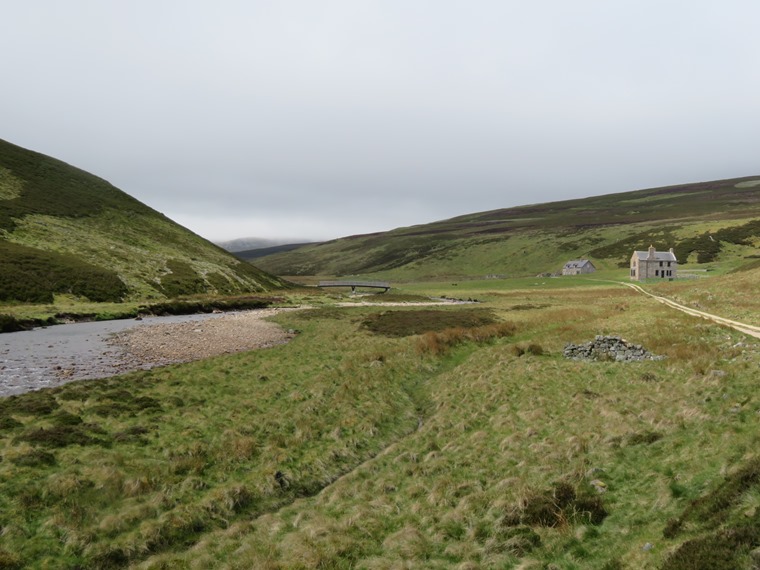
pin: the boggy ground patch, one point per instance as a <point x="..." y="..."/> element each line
<point x="728" y="536"/>
<point x="39" y="403"/>
<point x="402" y="323"/>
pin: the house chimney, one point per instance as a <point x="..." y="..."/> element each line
<point x="651" y="252"/>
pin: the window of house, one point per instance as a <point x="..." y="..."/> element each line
<point x="656" y="272"/>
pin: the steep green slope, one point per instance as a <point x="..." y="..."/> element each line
<point x="65" y="231"/>
<point x="696" y="219"/>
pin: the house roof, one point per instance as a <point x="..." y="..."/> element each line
<point x="658" y="255"/>
<point x="577" y="263"/>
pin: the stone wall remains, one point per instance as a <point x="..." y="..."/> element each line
<point x="609" y="348"/>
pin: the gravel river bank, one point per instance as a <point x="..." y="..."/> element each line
<point x="46" y="357"/>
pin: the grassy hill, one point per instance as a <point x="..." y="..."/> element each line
<point x="702" y="221"/>
<point x="64" y="231"/>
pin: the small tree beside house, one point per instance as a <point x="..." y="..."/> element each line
<point x="653" y="264"/>
<point x="578" y="267"/>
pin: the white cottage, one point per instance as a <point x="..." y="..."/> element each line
<point x="653" y="264"/>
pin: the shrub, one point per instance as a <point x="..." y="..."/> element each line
<point x="39" y="403"/>
<point x="562" y="505"/>
<point x="61" y="436"/>
<point x="9" y="323"/>
<point x="35" y="458"/>
<point x="222" y="284"/>
<point x="532" y="348"/>
<point x="10" y="560"/>
<point x="719" y="551"/>
<point x="7" y="422"/>
<point x="727" y="536"/>
<point x="64" y="418"/>
<point x="191" y="307"/>
<point x="32" y="275"/>
<point x="645" y="437"/>
<point x="182" y="279"/>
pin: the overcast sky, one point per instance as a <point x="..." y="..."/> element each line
<point x="315" y="119"/>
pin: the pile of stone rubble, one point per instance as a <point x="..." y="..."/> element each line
<point x="609" y="348"/>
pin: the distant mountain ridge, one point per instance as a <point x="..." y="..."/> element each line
<point x="64" y="231"/>
<point x="251" y="254"/>
<point x="254" y="243"/>
<point x="697" y="219"/>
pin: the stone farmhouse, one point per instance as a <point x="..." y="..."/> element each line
<point x="652" y="264"/>
<point x="578" y="267"/>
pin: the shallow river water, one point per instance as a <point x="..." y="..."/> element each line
<point x="51" y="356"/>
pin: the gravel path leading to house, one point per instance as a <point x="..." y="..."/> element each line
<point x="751" y="330"/>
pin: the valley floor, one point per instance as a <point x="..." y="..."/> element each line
<point x="388" y="437"/>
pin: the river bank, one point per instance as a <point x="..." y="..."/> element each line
<point x="48" y="357"/>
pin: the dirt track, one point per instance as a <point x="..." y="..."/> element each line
<point x="742" y="327"/>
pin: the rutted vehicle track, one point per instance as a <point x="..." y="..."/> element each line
<point x="739" y="326"/>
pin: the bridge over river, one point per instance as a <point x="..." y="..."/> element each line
<point x="354" y="284"/>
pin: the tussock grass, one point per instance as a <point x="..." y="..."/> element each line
<point x="352" y="449"/>
<point x="140" y="474"/>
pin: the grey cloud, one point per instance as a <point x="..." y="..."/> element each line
<point x="342" y="115"/>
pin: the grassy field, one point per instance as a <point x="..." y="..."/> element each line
<point x="408" y="437"/>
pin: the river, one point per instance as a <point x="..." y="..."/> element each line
<point x="51" y="356"/>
